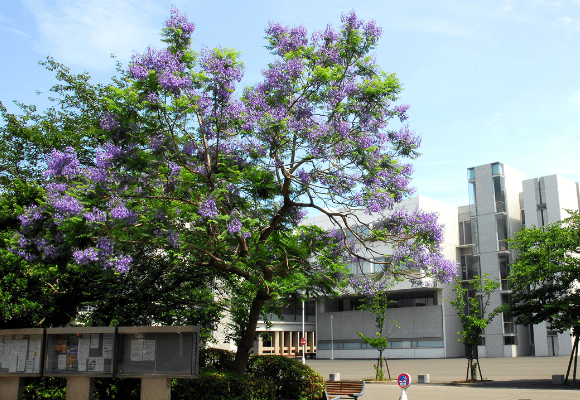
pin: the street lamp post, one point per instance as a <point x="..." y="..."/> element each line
<point x="331" y="340"/>
<point x="303" y="337"/>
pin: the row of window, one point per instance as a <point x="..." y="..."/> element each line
<point x="392" y="344"/>
<point x="396" y="301"/>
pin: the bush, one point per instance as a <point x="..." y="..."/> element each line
<point x="219" y="385"/>
<point x="218" y="359"/>
<point x="293" y="380"/>
<point x="44" y="388"/>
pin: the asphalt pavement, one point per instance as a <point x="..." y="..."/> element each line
<point x="521" y="378"/>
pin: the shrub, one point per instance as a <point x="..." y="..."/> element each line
<point x="218" y="385"/>
<point x="293" y="380"/>
<point x="44" y="388"/>
<point x="218" y="359"/>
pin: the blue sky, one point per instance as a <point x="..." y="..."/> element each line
<point x="486" y="80"/>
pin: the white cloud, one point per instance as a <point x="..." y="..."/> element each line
<point x="84" y="33"/>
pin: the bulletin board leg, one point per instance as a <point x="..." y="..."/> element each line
<point x="155" y="389"/>
<point x="81" y="388"/>
<point x="11" y="388"/>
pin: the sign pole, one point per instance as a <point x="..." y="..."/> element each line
<point x="404" y="381"/>
<point x="303" y="338"/>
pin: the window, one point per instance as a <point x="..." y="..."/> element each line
<point x="543" y="217"/>
<point x="499" y="192"/>
<point x="504" y="271"/>
<point x="470" y="173"/>
<point x="474" y="236"/>
<point x="508" y="322"/>
<point x="465" y="233"/>
<point x="501" y="222"/>
<point x="509" y="340"/>
<point x="469" y="267"/>
<point x="472" y="199"/>
<point x="523" y="218"/>
<point x="497" y="169"/>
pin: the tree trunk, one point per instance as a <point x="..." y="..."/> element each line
<point x="572" y="354"/>
<point x="247" y="340"/>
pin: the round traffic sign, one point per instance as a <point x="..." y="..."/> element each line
<point x="404" y="380"/>
<point x="303" y="342"/>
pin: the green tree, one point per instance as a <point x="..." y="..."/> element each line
<point x="375" y="292"/>
<point x="544" y="279"/>
<point x="198" y="176"/>
<point x="51" y="294"/>
<point x="471" y="302"/>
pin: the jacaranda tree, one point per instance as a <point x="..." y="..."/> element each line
<point x="199" y="173"/>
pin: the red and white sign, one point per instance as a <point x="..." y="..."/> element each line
<point x="303" y="342"/>
<point x="404" y="380"/>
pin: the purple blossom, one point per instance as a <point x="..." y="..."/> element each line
<point x="63" y="163"/>
<point x="174" y="169"/>
<point x="166" y="65"/>
<point x="122" y="263"/>
<point x="64" y="206"/>
<point x="109" y="122"/>
<point x="304" y="177"/>
<point x="120" y="212"/>
<point x="108" y="154"/>
<point x="180" y="21"/>
<point x="153" y="98"/>
<point x="86" y="256"/>
<point x="208" y="208"/>
<point x="95" y="215"/>
<point x="234" y="225"/>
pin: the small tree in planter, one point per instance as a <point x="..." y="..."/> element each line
<point x="472" y="313"/>
<point x="376" y="300"/>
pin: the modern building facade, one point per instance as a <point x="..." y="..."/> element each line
<point x="501" y="202"/>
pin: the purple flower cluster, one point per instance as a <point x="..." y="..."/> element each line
<point x="109" y="122"/>
<point x="208" y="208"/>
<point x="120" y="212"/>
<point x="180" y="21"/>
<point x="62" y="163"/>
<point x="234" y="224"/>
<point x="285" y="39"/>
<point x="167" y="66"/>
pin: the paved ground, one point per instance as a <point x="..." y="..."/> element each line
<point x="527" y="378"/>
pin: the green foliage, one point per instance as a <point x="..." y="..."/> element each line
<point x="377" y="302"/>
<point x="219" y="385"/>
<point x="471" y="302"/>
<point x="49" y="388"/>
<point x="544" y="278"/>
<point x="217" y="359"/>
<point x="292" y="379"/>
<point x="73" y="120"/>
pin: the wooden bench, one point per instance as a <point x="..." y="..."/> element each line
<point x="326" y="396"/>
<point x="345" y="389"/>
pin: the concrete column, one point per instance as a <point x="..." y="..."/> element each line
<point x="11" y="388"/>
<point x="80" y="388"/>
<point x="155" y="389"/>
<point x="276" y="343"/>
<point x="260" y="344"/>
<point x="282" y="334"/>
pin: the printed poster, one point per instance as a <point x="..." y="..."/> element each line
<point x="70" y="361"/>
<point x="94" y="340"/>
<point x="61" y="361"/>
<point x="72" y="345"/>
<point x="84" y="346"/>
<point x="108" y="345"/>
<point x="29" y="367"/>
<point x="149" y="350"/>
<point x="136" y="350"/>
<point x="60" y="346"/>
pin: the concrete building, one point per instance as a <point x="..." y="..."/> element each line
<point x="501" y="202"/>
